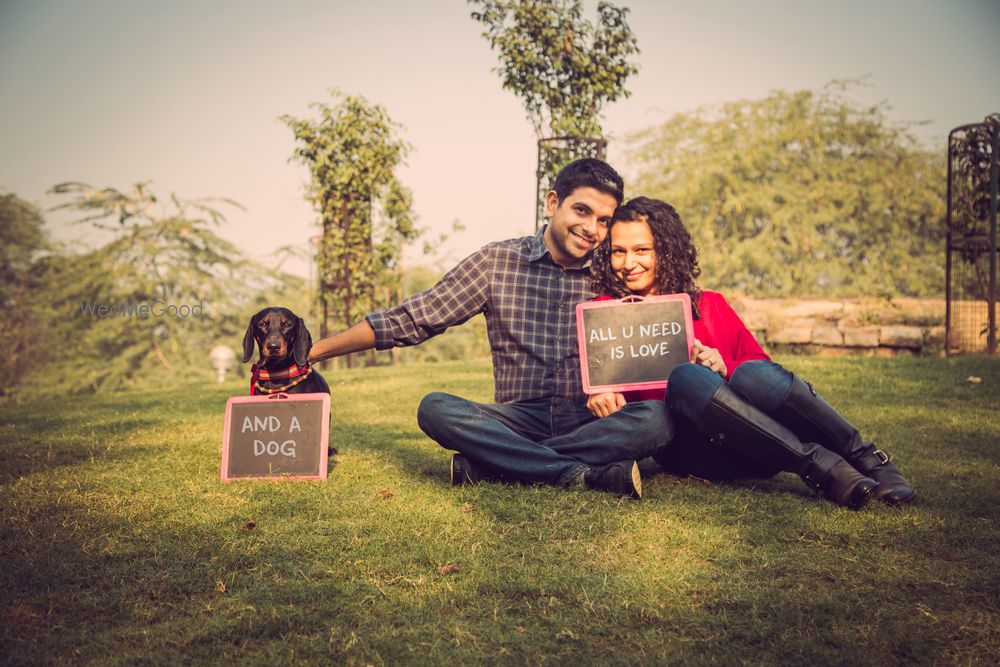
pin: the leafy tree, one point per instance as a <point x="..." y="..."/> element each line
<point x="22" y="240"/>
<point x="564" y="68"/>
<point x="352" y="152"/>
<point x="164" y="255"/>
<point x="801" y="193"/>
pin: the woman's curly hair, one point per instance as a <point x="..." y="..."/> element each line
<point x="676" y="260"/>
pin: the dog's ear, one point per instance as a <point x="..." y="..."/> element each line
<point x="303" y="343"/>
<point x="249" y="339"/>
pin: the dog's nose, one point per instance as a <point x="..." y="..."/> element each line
<point x="273" y="345"/>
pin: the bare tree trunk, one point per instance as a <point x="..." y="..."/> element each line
<point x="345" y="222"/>
<point x="321" y="284"/>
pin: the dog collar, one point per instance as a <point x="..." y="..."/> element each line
<point x="295" y="373"/>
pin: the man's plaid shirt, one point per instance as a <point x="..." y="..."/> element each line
<point x="529" y="302"/>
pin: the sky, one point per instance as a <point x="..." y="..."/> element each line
<point x="187" y="94"/>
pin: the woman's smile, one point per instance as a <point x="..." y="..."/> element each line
<point x="633" y="259"/>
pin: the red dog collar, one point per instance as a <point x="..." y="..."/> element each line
<point x="295" y="373"/>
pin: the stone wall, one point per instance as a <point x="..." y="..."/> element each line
<point x="869" y="326"/>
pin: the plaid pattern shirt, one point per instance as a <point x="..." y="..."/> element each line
<point x="529" y="302"/>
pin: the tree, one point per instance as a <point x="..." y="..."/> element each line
<point x="564" y="68"/>
<point x="162" y="255"/>
<point x="22" y="240"/>
<point x="352" y="152"/>
<point x="801" y="193"/>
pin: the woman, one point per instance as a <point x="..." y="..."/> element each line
<point x="738" y="413"/>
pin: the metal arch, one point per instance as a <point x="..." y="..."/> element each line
<point x="971" y="233"/>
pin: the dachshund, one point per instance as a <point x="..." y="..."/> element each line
<point x="283" y="366"/>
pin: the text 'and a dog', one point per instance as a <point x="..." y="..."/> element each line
<point x="270" y="424"/>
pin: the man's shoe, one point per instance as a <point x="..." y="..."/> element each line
<point x="621" y="477"/>
<point x="464" y="471"/>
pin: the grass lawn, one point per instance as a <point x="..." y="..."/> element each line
<point x="119" y="544"/>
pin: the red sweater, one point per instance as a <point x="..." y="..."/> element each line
<point x="719" y="327"/>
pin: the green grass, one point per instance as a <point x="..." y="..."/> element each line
<point x="119" y="545"/>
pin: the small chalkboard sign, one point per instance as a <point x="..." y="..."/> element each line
<point x="280" y="436"/>
<point x="633" y="343"/>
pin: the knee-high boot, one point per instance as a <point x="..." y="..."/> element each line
<point x="815" y="419"/>
<point x="730" y="420"/>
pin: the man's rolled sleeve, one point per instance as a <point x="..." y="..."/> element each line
<point x="453" y="300"/>
<point x="379" y="322"/>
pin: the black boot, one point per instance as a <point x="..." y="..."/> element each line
<point x="812" y="418"/>
<point x="731" y="421"/>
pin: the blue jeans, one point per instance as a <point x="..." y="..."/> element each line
<point x="763" y="384"/>
<point x="547" y="440"/>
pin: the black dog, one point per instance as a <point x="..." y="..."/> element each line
<point x="283" y="366"/>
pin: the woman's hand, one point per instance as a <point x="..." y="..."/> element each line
<point x="708" y="357"/>
<point x="602" y="405"/>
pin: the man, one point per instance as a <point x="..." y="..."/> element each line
<point x="539" y="430"/>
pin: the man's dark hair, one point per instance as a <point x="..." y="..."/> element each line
<point x="589" y="173"/>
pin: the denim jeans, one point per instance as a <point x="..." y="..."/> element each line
<point x="548" y="440"/>
<point x="763" y="384"/>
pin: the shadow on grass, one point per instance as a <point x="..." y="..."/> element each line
<point x="387" y="563"/>
<point x="684" y="578"/>
<point x="42" y="446"/>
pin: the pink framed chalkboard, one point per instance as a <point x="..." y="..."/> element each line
<point x="280" y="436"/>
<point x="633" y="343"/>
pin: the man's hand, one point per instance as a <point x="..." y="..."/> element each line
<point x="602" y="405"/>
<point x="356" y="339"/>
<point x="708" y="357"/>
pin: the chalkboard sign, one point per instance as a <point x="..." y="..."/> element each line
<point x="281" y="436"/>
<point x="633" y="343"/>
